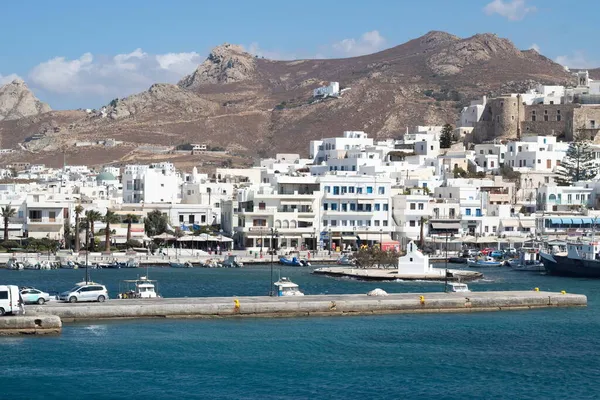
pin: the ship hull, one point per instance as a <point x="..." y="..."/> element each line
<point x="564" y="266"/>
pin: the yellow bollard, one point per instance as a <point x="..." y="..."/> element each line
<point x="563" y="292"/>
<point x="236" y="303"/>
<point x="537" y="289"/>
<point x="422" y="299"/>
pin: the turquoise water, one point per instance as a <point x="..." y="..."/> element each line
<point x="542" y="354"/>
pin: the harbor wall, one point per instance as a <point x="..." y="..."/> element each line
<point x="218" y="307"/>
<point x="30" y="325"/>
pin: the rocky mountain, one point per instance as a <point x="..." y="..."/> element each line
<point x="17" y="101"/>
<point x="252" y="105"/>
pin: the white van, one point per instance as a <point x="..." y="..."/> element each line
<point x="10" y="300"/>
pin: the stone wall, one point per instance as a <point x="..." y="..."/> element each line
<point x="546" y="119"/>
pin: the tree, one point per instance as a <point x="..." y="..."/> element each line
<point x="91" y="216"/>
<point x="422" y="233"/>
<point x="7" y="212"/>
<point x="78" y="210"/>
<point x="109" y="218"/>
<point x="130" y="218"/>
<point x="578" y="164"/>
<point x="446" y="136"/>
<point x="155" y="223"/>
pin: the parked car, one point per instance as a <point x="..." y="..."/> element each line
<point x="470" y="253"/>
<point x="85" y="292"/>
<point x="497" y="254"/>
<point x="32" y="295"/>
<point x="10" y="300"/>
<point x="486" y="251"/>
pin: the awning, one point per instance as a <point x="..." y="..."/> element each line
<point x="555" y="221"/>
<point x="510" y="223"/>
<point x="527" y="223"/>
<point x="588" y="220"/>
<point x="577" y="221"/>
<point x="349" y="238"/>
<point x="374" y="236"/>
<point x="446" y="226"/>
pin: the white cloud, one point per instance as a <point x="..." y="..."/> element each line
<point x="4" y="79"/>
<point x="110" y="77"/>
<point x="369" y="42"/>
<point x="514" y="10"/>
<point x="535" y="47"/>
<point x="577" y="60"/>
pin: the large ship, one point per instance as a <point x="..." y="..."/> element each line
<point x="582" y="259"/>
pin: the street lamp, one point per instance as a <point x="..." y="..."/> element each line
<point x="273" y="234"/>
<point x="329" y="241"/>
<point x="313" y="243"/>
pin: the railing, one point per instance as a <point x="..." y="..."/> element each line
<point x="43" y="220"/>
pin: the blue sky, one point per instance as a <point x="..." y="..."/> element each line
<point x="82" y="54"/>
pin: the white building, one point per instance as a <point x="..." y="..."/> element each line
<point x="537" y="153"/>
<point x="472" y="114"/>
<point x="155" y="183"/>
<point x="408" y="211"/>
<point x="333" y="89"/>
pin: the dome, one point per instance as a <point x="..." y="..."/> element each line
<point x="105" y="176"/>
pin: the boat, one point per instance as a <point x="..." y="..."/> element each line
<point x="141" y="288"/>
<point x="231" y="261"/>
<point x="582" y="259"/>
<point x="14" y="264"/>
<point x="211" y="263"/>
<point x="285" y="287"/>
<point x="529" y="260"/>
<point x="457" y="287"/>
<point x="457" y="260"/>
<point x="69" y="264"/>
<point x="294" y="262"/>
<point x="131" y="263"/>
<point x="179" y="264"/>
<point x="484" y="262"/>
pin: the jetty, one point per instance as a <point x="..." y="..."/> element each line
<point x="380" y="274"/>
<point x="42" y="324"/>
<point x="312" y="305"/>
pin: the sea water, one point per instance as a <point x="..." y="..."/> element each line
<point x="540" y="354"/>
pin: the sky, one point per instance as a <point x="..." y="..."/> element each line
<point x="76" y="54"/>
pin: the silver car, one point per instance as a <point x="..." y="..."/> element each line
<point x="32" y="295"/>
<point x="90" y="292"/>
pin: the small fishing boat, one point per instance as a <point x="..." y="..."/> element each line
<point x="14" y="264"/>
<point x="232" y="262"/>
<point x="69" y="264"/>
<point x="294" y="262"/>
<point x="179" y="264"/>
<point x="285" y="287"/>
<point x="484" y="262"/>
<point x="457" y="287"/>
<point x="211" y="263"/>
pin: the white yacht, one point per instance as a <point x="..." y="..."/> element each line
<point x="285" y="287"/>
<point x="141" y="288"/>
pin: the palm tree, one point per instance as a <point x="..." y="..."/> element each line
<point x="109" y="218"/>
<point x="7" y="212"/>
<point x="92" y="216"/>
<point x="130" y="218"/>
<point x="78" y="210"/>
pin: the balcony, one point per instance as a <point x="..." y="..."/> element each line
<point x="45" y="220"/>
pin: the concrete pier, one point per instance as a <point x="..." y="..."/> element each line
<point x="352" y="304"/>
<point x="379" y="274"/>
<point x="30" y="325"/>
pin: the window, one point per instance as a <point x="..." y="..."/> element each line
<point x="352" y="222"/>
<point x="412" y="223"/>
<point x="490" y="151"/>
<point x="333" y="207"/>
<point x="385" y="207"/>
<point x="546" y="179"/>
<point x="181" y="219"/>
<point x="352" y="207"/>
<point x="494" y="229"/>
<point x="359" y="222"/>
<point x="478" y="212"/>
<point x="546" y="118"/>
<point x="381" y="190"/>
<point x="203" y="219"/>
<point x="336" y="190"/>
<point x="421" y="206"/>
<point x="344" y="190"/>
<point x="369" y="189"/>
<point x="377" y="207"/>
<point x="359" y="190"/>
<point x="376" y="222"/>
<point x="261" y="206"/>
<point x="468" y="211"/>
<point x="333" y="222"/>
<point x="351" y="189"/>
<point x="359" y="207"/>
<point x="325" y="222"/>
<point x="325" y="206"/>
<point x="327" y="189"/>
<point x="558" y="118"/>
<point x="486" y="229"/>
<point x="385" y="223"/>
<point x="344" y="222"/>
<point x="539" y="161"/>
<point x="413" y="206"/>
<point x="368" y="207"/>
<point x="191" y="219"/>
<point x="344" y="207"/>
